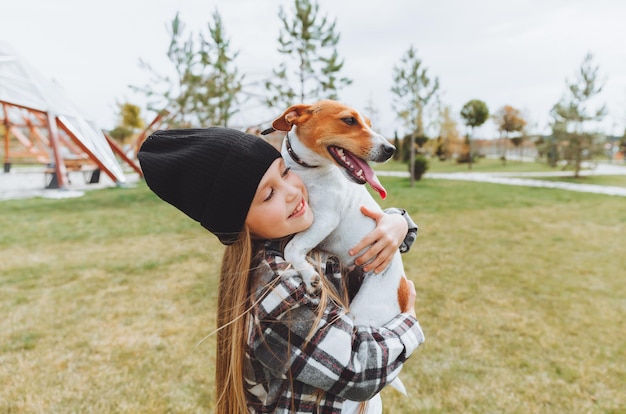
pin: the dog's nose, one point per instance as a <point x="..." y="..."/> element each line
<point x="389" y="149"/>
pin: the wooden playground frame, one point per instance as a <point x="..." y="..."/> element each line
<point x="43" y="138"/>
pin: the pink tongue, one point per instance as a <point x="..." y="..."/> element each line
<point x="371" y="178"/>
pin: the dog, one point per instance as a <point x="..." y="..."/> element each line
<point x="329" y="145"/>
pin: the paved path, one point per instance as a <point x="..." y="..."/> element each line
<point x="25" y="183"/>
<point x="31" y="182"/>
<point x="519" y="179"/>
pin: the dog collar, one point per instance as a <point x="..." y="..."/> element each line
<point x="294" y="156"/>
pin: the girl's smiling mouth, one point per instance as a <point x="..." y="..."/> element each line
<point x="299" y="209"/>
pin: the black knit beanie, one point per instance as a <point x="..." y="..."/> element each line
<point x="209" y="174"/>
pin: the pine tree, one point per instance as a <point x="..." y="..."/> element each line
<point x="204" y="88"/>
<point x="572" y="113"/>
<point x="223" y="84"/>
<point x="413" y="90"/>
<point x="309" y="41"/>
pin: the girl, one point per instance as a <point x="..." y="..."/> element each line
<point x="278" y="348"/>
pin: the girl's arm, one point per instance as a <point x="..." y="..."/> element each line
<point x="354" y="362"/>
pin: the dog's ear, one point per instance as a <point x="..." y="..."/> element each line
<point x="294" y="115"/>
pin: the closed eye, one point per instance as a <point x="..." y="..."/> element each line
<point x="283" y="174"/>
<point x="349" y="120"/>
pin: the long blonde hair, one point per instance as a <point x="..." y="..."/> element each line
<point x="232" y="322"/>
<point x="233" y="315"/>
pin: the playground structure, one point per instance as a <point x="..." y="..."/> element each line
<point x="40" y="125"/>
<point x="159" y="121"/>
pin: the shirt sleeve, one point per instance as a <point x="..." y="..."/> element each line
<point x="413" y="228"/>
<point x="354" y="362"/>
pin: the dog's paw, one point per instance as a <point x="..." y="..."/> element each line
<point x="315" y="286"/>
<point x="312" y="282"/>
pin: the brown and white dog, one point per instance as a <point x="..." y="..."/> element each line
<point x="326" y="143"/>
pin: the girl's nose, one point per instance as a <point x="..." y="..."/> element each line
<point x="293" y="191"/>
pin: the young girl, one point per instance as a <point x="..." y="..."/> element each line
<point x="278" y="348"/>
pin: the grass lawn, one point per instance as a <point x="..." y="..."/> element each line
<point x="521" y="294"/>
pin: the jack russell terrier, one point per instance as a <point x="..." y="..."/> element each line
<point x="330" y="142"/>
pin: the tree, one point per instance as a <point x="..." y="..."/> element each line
<point x="412" y="91"/>
<point x="475" y="113"/>
<point x="309" y="41"/>
<point x="448" y="133"/>
<point x="509" y="119"/>
<point x="219" y="101"/>
<point x="204" y="88"/>
<point x="372" y="112"/>
<point x="129" y="121"/>
<point x="175" y="93"/>
<point x="396" y="143"/>
<point x="572" y="114"/>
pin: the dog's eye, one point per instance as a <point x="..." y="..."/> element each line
<point x="349" y="120"/>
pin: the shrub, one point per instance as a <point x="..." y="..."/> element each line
<point x="464" y="158"/>
<point x="420" y="167"/>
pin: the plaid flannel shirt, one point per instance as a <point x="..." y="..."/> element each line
<point x="285" y="373"/>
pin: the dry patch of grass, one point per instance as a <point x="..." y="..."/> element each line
<point x="103" y="314"/>
<point x="521" y="295"/>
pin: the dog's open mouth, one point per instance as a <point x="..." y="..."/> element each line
<point x="358" y="169"/>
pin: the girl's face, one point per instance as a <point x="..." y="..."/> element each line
<point x="280" y="205"/>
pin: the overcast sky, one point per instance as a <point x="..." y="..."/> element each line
<point x="516" y="52"/>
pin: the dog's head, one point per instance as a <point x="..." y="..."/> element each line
<point x="341" y="135"/>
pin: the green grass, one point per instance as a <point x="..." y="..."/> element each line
<point x="521" y="294"/>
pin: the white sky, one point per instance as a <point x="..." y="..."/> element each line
<point x="516" y="52"/>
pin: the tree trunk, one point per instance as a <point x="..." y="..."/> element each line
<point x="469" y="146"/>
<point x="577" y="160"/>
<point x="412" y="160"/>
<point x="505" y="141"/>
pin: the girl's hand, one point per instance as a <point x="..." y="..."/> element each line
<point x="381" y="243"/>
